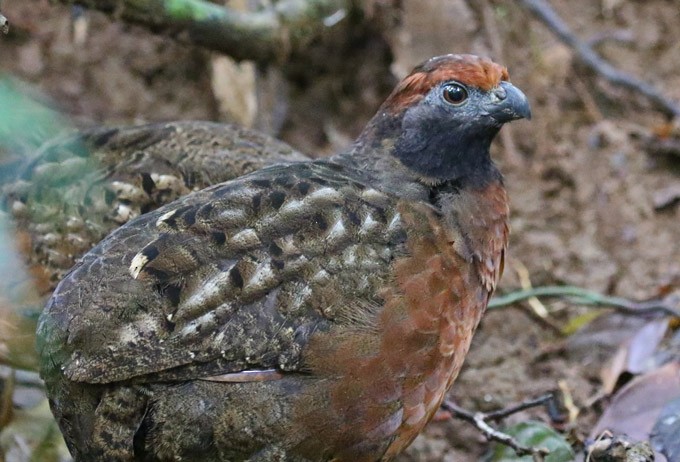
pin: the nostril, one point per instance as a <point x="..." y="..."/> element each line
<point x="500" y="93"/>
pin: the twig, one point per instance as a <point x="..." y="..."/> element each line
<point x="269" y="35"/>
<point x="568" y="400"/>
<point x="479" y="420"/>
<point x="585" y="53"/>
<point x="528" y="404"/>
<point x="536" y="308"/>
<point x="587" y="297"/>
<point x="621" y="36"/>
<point x="525" y="282"/>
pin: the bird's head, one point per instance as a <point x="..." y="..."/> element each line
<point x="440" y="120"/>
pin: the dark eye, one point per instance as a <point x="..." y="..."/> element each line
<point x="455" y="93"/>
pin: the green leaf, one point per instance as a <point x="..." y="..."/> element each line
<point x="193" y="10"/>
<point x="535" y="434"/>
<point x="577" y="322"/>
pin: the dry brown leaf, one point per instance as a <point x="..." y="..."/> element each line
<point x="234" y="83"/>
<point x="635" y="355"/>
<point x="598" y="341"/>
<point x="637" y="406"/>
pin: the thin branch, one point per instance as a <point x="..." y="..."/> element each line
<point x="587" y="297"/>
<point x="535" y="309"/>
<point x="619" y="35"/>
<point x="479" y="420"/>
<point x="585" y="53"/>
<point x="268" y="35"/>
<point x="514" y="409"/>
<point x="525" y="283"/>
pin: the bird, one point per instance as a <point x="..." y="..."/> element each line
<point x="80" y="186"/>
<point x="312" y="311"/>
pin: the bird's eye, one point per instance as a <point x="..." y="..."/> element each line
<point x="455" y="93"/>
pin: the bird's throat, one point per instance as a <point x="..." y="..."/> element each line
<point x="427" y="155"/>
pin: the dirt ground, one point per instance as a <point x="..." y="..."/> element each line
<point x="585" y="192"/>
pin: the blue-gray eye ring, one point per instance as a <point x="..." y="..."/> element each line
<point x="455" y="93"/>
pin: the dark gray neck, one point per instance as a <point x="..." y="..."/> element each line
<point x="419" y="160"/>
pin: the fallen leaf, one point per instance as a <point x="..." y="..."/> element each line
<point x="600" y="339"/>
<point x="635" y="356"/>
<point x="579" y="322"/>
<point x="636" y="407"/>
<point x="234" y="83"/>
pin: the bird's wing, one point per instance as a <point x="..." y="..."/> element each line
<point x="80" y="187"/>
<point x="231" y="278"/>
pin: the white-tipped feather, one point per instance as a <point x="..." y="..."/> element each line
<point x="138" y="264"/>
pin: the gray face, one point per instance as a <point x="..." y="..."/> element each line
<point x="454" y="119"/>
<point x="467" y="106"/>
<point x="447" y="134"/>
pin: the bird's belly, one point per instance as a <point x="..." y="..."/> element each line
<point x="219" y="421"/>
<point x="293" y="419"/>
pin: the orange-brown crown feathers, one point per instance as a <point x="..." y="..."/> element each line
<point x="466" y="69"/>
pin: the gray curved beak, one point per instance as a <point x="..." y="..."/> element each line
<point x="510" y="104"/>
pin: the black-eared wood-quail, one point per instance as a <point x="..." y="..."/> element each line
<point x="316" y="311"/>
